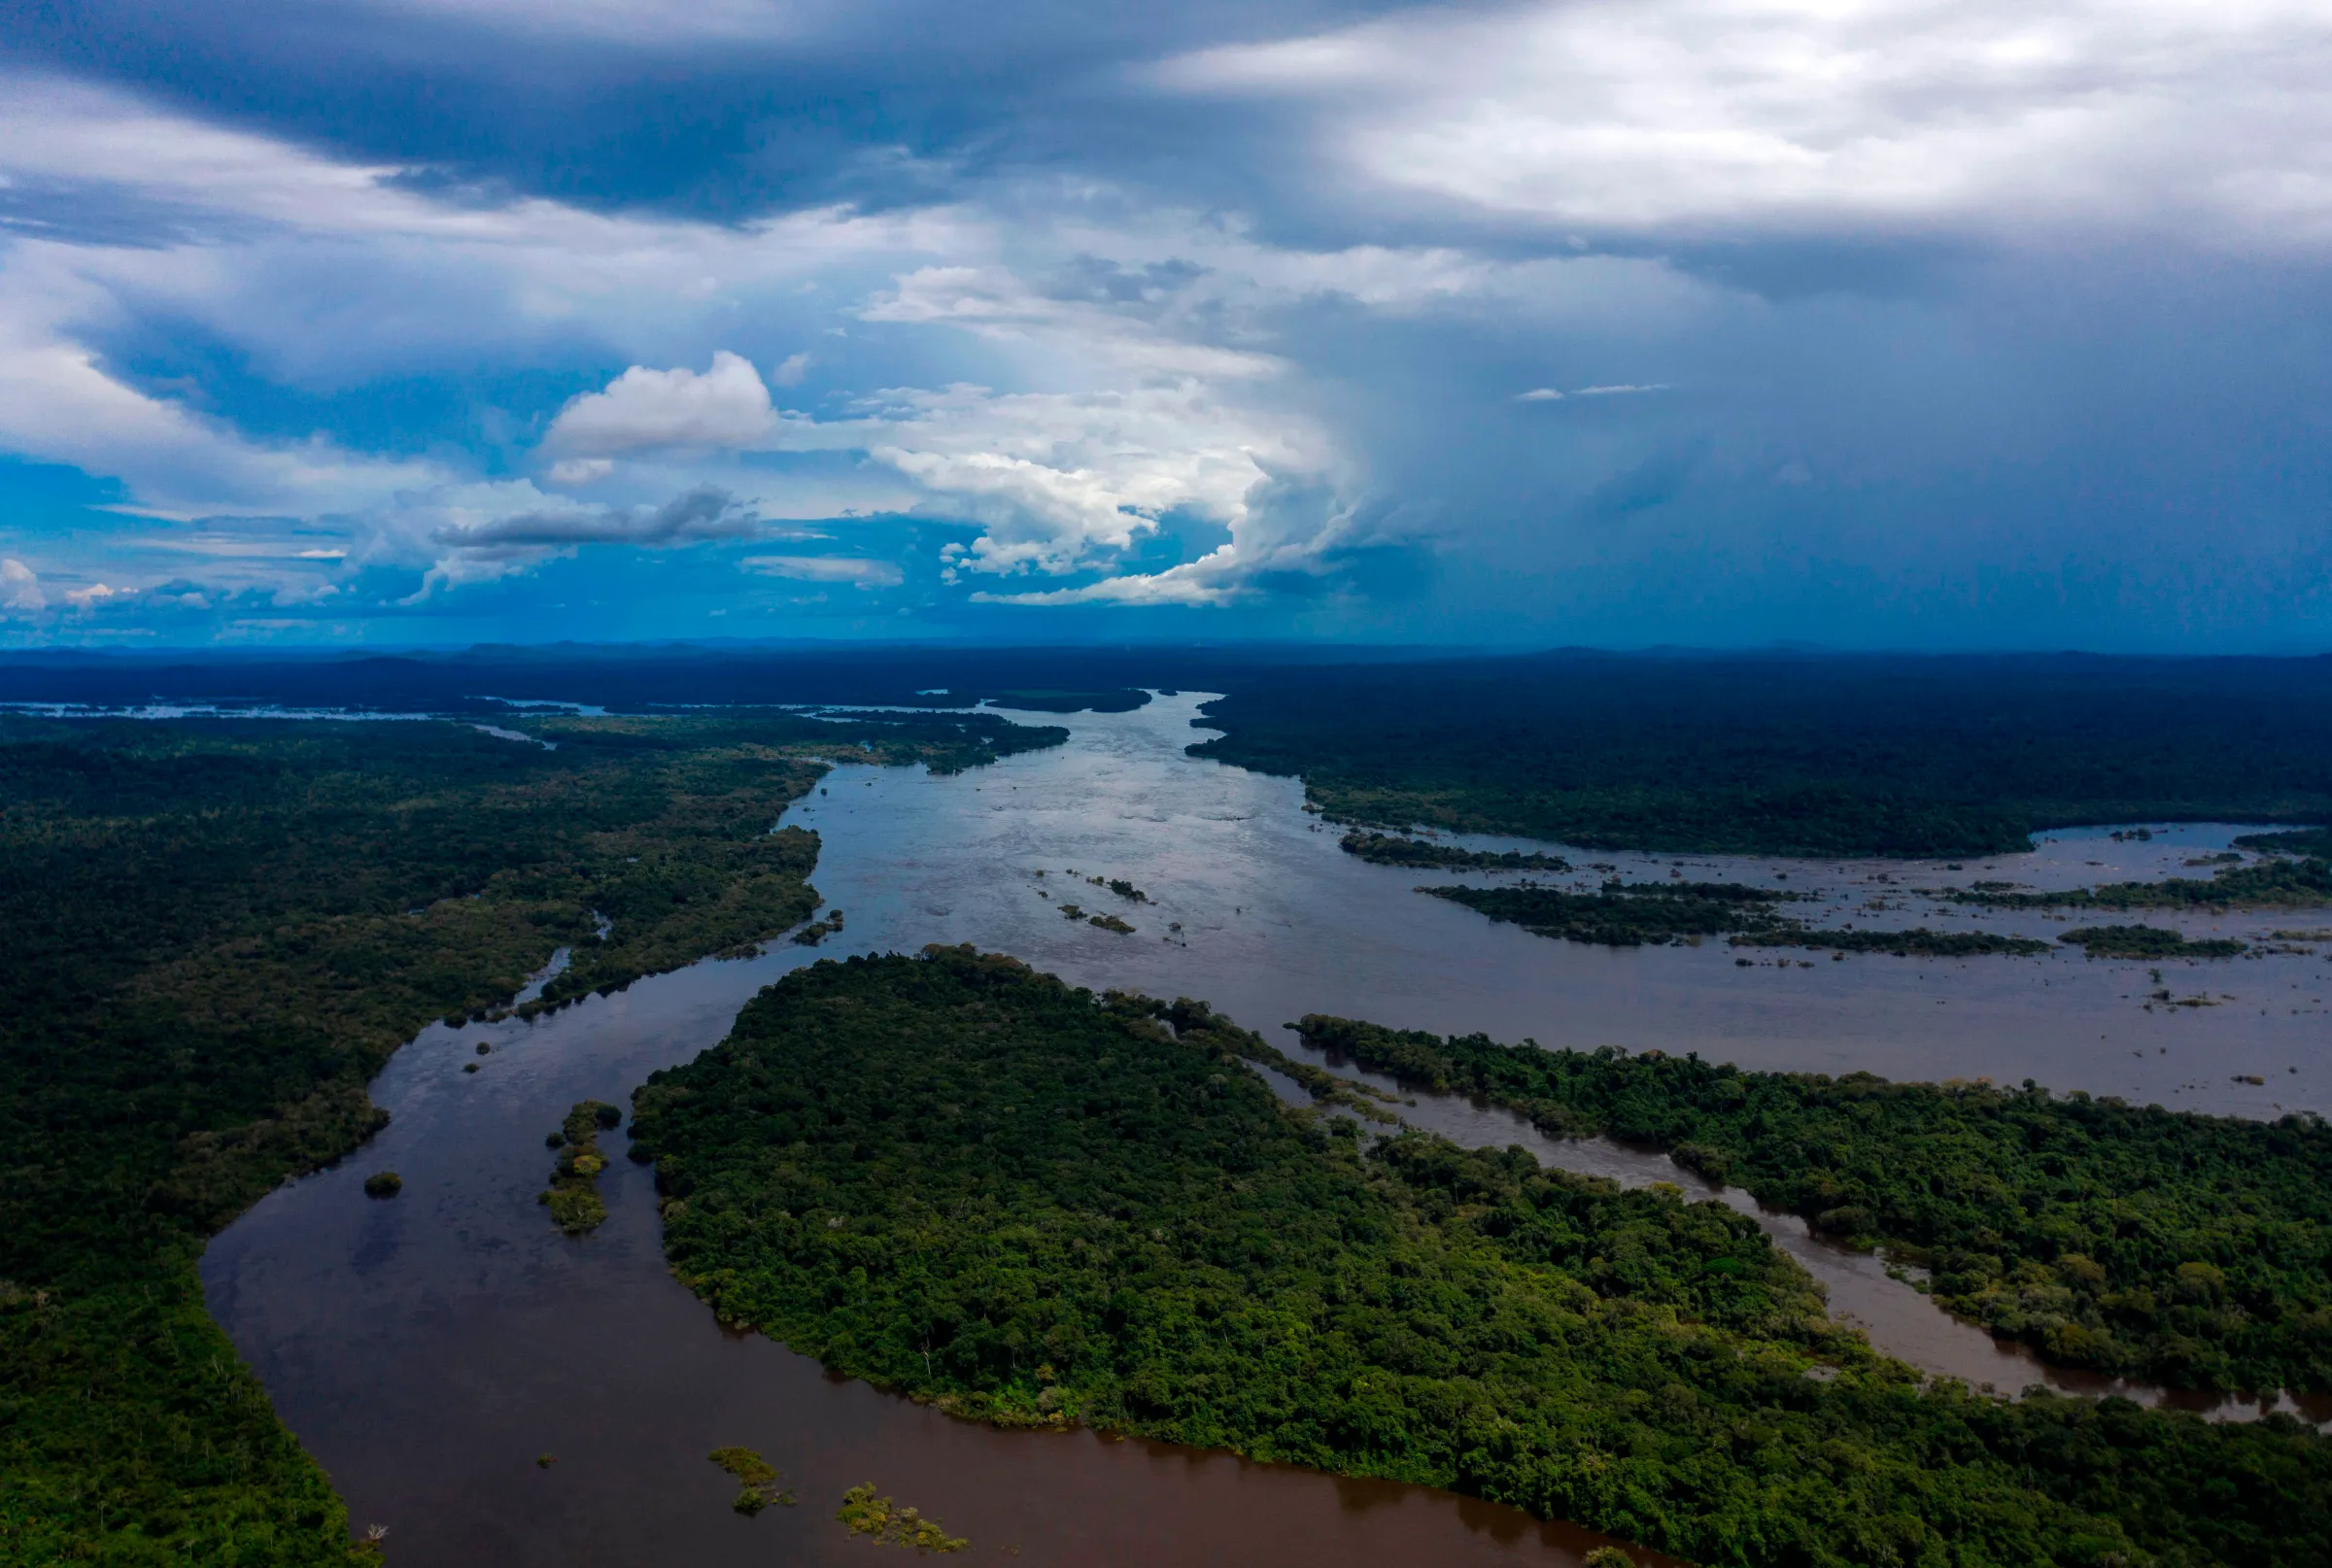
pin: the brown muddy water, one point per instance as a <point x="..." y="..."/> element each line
<point x="430" y="1348"/>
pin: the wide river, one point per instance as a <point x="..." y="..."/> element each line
<point x="432" y="1350"/>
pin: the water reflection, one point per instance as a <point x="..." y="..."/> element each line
<point x="1252" y="905"/>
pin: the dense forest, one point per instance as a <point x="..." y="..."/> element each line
<point x="2193" y="1250"/>
<point x="1791" y="754"/>
<point x="1023" y="1202"/>
<point x="1636" y="914"/>
<point x="218" y="931"/>
<point x="1383" y="849"/>
<point x="1761" y="754"/>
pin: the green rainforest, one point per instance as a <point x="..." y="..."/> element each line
<point x="2192" y="1250"/>
<point x="1787" y="755"/>
<point x="219" y="931"/>
<point x="966" y="1181"/>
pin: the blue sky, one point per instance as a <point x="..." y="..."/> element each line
<point x="1620" y="322"/>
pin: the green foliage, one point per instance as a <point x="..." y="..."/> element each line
<point x="1630" y="914"/>
<point x="2150" y="941"/>
<point x="2310" y="843"/>
<point x="1790" y="756"/>
<point x="887" y="1523"/>
<point x="573" y="1195"/>
<point x="969" y="1183"/>
<point x="383" y="1184"/>
<point x="219" y="931"/>
<point x="2298" y="884"/>
<point x="1623" y="914"/>
<point x="2195" y="1250"/>
<point x="1383" y="849"/>
<point x="757" y="1480"/>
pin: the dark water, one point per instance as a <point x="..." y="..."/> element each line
<point x="427" y="1348"/>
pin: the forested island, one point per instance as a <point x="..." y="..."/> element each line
<point x="968" y="1182"/>
<point x="1383" y="849"/>
<point x="2301" y="883"/>
<point x="2187" y="1249"/>
<point x="1633" y="914"/>
<point x="219" y="931"/>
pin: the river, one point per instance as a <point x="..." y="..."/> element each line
<point x="431" y="1348"/>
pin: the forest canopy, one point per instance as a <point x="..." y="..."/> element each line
<point x="217" y="931"/>
<point x="1023" y="1202"/>
<point x="2188" y="1249"/>
<point x="1789" y="754"/>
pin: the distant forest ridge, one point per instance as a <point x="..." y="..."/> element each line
<point x="1916" y="755"/>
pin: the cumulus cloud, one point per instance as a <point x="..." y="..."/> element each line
<point x="854" y="571"/>
<point x="1734" y="116"/>
<point x="21" y="587"/>
<point x="723" y="408"/>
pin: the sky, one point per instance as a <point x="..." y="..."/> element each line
<point x="1626" y="322"/>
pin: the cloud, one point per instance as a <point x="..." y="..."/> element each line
<point x="21" y="587"/>
<point x="859" y="573"/>
<point x="2198" y="120"/>
<point x="724" y="408"/>
<point x="1539" y="394"/>
<point x="790" y="371"/>
<point x="1620" y="391"/>
<point x="706" y="512"/>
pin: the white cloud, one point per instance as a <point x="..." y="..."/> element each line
<point x="859" y="573"/>
<point x="21" y="587"/>
<point x="1060" y="478"/>
<point x="581" y="470"/>
<point x="1123" y="404"/>
<point x="1620" y="391"/>
<point x="1539" y="394"/>
<point x="58" y="404"/>
<point x="723" y="409"/>
<point x="2204" y="120"/>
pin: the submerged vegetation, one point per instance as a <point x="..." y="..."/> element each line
<point x="888" y="1525"/>
<point x="573" y="1195"/>
<point x="1384" y="849"/>
<point x="817" y="930"/>
<point x="758" y="1484"/>
<point x="1783" y="755"/>
<point x="2150" y="941"/>
<point x="2193" y="1250"/>
<point x="969" y="1183"/>
<point x="219" y="931"/>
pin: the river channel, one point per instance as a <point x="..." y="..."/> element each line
<point x="432" y="1350"/>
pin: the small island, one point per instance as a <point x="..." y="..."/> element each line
<point x="1385" y="849"/>
<point x="573" y="1195"/>
<point x="2150" y="941"/>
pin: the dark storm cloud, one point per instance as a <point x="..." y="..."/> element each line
<point x="706" y="512"/>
